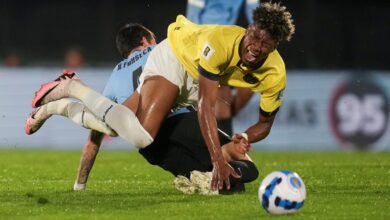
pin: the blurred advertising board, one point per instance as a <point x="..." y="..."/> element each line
<point x="328" y="110"/>
<point x="322" y="110"/>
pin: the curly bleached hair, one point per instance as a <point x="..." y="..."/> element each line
<point x="275" y="19"/>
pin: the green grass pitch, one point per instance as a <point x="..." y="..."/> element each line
<point x="36" y="184"/>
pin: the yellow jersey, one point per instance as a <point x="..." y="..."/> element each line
<point x="216" y="49"/>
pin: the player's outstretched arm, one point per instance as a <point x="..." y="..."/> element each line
<point x="91" y="149"/>
<point x="208" y="90"/>
<point x="261" y="129"/>
<point x="236" y="149"/>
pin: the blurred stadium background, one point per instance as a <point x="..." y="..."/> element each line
<point x="338" y="91"/>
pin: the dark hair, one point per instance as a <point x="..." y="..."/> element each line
<point x="275" y="19"/>
<point x="130" y="36"/>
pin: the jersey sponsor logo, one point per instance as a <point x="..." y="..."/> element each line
<point x="207" y="51"/>
<point x="147" y="50"/>
<point x="134" y="59"/>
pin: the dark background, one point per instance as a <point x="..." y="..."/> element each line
<point x="330" y="34"/>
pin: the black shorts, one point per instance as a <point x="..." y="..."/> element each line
<point x="179" y="146"/>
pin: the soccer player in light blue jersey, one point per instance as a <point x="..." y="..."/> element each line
<point x="134" y="42"/>
<point x="124" y="78"/>
<point x="219" y="11"/>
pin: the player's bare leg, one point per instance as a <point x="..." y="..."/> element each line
<point x="132" y="102"/>
<point x="157" y="97"/>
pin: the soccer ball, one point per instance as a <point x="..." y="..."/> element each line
<point x="282" y="192"/>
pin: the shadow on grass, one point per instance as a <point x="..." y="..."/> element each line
<point x="114" y="200"/>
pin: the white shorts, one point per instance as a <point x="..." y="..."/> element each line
<point x="163" y="62"/>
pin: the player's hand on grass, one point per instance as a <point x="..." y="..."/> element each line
<point x="221" y="173"/>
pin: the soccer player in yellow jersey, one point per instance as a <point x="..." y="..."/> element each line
<point x="186" y="70"/>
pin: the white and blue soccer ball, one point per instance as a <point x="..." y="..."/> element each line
<point x="282" y="192"/>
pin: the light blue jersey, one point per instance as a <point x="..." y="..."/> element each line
<point x="219" y="11"/>
<point x="124" y="79"/>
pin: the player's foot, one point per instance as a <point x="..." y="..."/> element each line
<point x="54" y="90"/>
<point x="79" y="186"/>
<point x="35" y="120"/>
<point x="202" y="181"/>
<point x="199" y="183"/>
<point x="184" y="185"/>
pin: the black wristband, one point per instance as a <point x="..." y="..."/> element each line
<point x="268" y="114"/>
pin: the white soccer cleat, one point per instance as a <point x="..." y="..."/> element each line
<point x="202" y="181"/>
<point x="35" y="120"/>
<point x="184" y="185"/>
<point x="199" y="183"/>
<point x="54" y="90"/>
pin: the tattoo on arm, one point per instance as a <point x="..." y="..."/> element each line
<point x="88" y="156"/>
